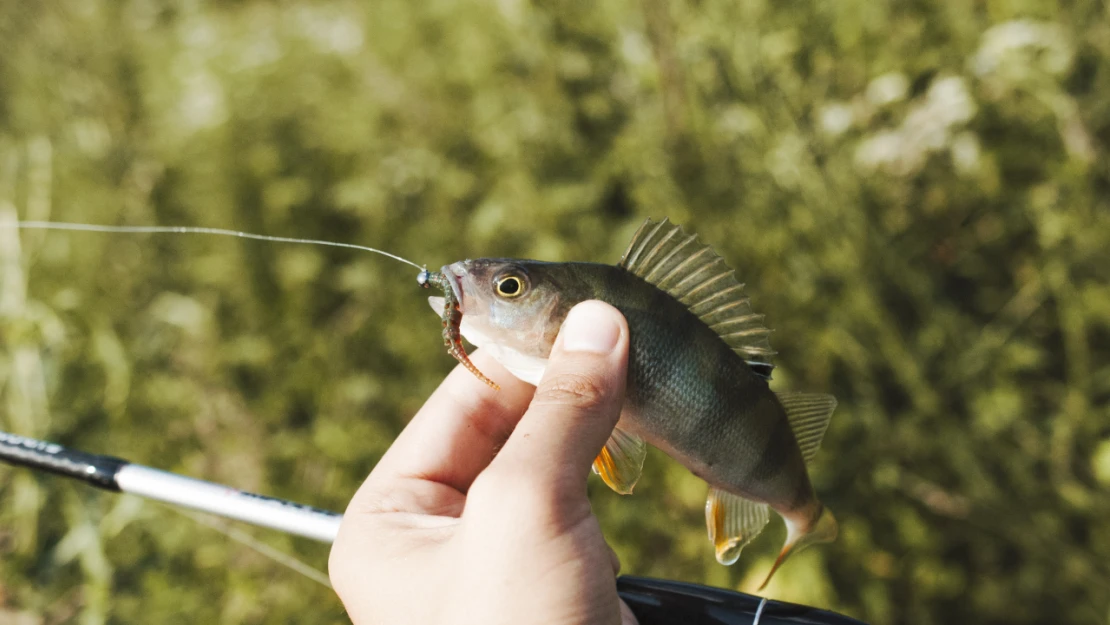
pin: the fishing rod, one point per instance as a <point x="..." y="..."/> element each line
<point x="653" y="601"/>
<point x="120" y="476"/>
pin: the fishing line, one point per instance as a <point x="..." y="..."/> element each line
<point x="759" y="611"/>
<point x="276" y="555"/>
<point x="58" y="225"/>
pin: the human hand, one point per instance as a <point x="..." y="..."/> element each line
<point x="478" y="512"/>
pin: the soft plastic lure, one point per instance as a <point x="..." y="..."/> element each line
<point x="452" y="320"/>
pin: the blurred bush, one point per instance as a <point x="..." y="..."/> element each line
<point x="915" y="193"/>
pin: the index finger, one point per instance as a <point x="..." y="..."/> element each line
<point x="455" y="435"/>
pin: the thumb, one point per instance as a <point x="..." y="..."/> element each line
<point x="577" y="403"/>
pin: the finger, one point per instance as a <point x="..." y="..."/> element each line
<point x="576" y="404"/>
<point x="627" y="616"/>
<point x="456" y="433"/>
<point x="614" y="559"/>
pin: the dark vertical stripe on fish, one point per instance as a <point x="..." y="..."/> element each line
<point x="774" y="459"/>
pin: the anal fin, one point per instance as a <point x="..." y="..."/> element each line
<point x="733" y="522"/>
<point x="621" y="461"/>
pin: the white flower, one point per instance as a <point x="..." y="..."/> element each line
<point x="949" y="100"/>
<point x="965" y="153"/>
<point x="1016" y="50"/>
<point x="835" y="118"/>
<point x="888" y="89"/>
<point x="884" y="148"/>
<point x="928" y="128"/>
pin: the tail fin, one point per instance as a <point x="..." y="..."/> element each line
<point x="823" y="530"/>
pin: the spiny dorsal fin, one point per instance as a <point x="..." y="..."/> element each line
<point x="808" y="414"/>
<point x="690" y="271"/>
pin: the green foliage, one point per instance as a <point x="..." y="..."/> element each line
<point x="915" y="193"/>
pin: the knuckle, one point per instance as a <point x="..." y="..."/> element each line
<point x="496" y="485"/>
<point x="489" y="414"/>
<point x="571" y="389"/>
<point x="507" y="493"/>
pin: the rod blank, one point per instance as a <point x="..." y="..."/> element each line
<point x="119" y="475"/>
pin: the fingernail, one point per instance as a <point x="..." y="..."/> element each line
<point x="590" y="328"/>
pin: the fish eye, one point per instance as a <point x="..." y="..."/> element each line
<point x="509" y="286"/>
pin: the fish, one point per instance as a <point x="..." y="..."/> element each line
<point x="699" y="372"/>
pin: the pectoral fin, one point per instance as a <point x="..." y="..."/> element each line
<point x="733" y="522"/>
<point x="621" y="461"/>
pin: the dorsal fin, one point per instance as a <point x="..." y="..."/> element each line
<point x="808" y="414"/>
<point x="691" y="272"/>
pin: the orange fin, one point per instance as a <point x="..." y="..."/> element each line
<point x="621" y="461"/>
<point x="733" y="522"/>
<point x="824" y="530"/>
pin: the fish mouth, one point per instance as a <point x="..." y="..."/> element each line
<point x="453" y="272"/>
